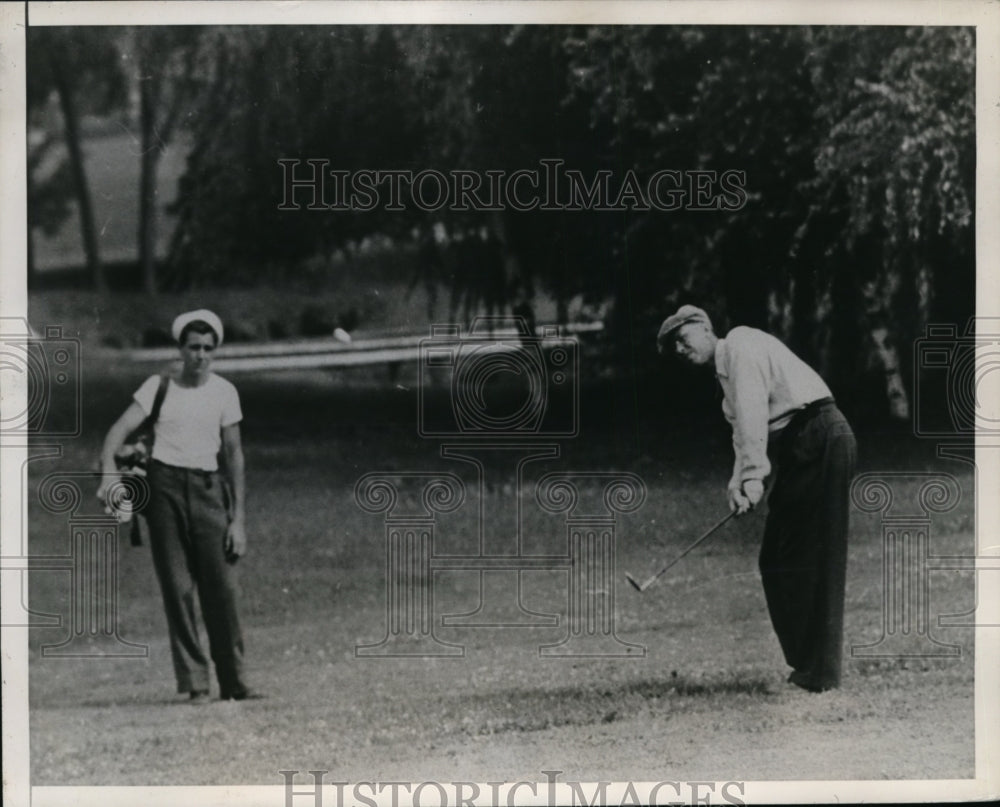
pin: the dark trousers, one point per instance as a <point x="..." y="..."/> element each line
<point x="803" y="558"/>
<point x="187" y="525"/>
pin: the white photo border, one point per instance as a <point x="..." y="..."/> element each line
<point x="984" y="16"/>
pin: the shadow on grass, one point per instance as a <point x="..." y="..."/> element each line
<point x="680" y="686"/>
<point x="524" y="710"/>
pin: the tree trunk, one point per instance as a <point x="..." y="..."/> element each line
<point x="71" y="121"/>
<point x="150" y="161"/>
<point x="887" y="358"/>
<point x="907" y="321"/>
<point x="802" y="338"/>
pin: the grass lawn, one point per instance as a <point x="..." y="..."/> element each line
<point x="708" y="700"/>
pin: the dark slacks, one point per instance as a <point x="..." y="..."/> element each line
<point x="187" y="525"/>
<point x="803" y="557"/>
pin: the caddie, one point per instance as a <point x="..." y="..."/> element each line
<point x="195" y="538"/>
<point x="786" y="427"/>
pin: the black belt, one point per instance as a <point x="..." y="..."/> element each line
<point x="812" y="407"/>
<point x="803" y="415"/>
<point x="207" y="476"/>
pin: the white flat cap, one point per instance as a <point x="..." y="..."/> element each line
<point x="200" y="315"/>
<point x="684" y="315"/>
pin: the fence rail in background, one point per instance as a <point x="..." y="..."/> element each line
<point x="330" y="352"/>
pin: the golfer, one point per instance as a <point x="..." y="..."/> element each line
<point x="778" y="405"/>
<point x="193" y="539"/>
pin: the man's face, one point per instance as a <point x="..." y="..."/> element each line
<point x="197" y="353"/>
<point x="693" y="343"/>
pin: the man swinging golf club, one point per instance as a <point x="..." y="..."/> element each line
<point x="777" y="404"/>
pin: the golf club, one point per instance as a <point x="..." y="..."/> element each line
<point x="640" y="587"/>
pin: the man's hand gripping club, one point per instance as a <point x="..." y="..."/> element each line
<point x="744" y="497"/>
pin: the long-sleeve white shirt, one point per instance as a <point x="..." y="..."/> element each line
<point x="763" y="384"/>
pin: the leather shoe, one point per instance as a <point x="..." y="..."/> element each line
<point x="801" y="680"/>
<point x="244" y="695"/>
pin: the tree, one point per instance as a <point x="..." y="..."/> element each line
<point x="339" y="94"/>
<point x="856" y="145"/>
<point x="165" y="62"/>
<point x="897" y="165"/>
<point x="80" y="66"/>
<point x="483" y="116"/>
<point x="47" y="177"/>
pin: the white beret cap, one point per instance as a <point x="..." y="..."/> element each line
<point x="202" y="315"/>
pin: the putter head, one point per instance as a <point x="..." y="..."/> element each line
<point x="633" y="581"/>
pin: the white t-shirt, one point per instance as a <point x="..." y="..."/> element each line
<point x="189" y="428"/>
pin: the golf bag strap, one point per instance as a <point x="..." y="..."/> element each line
<point x="161" y="393"/>
<point x="154" y="412"/>
<point x="138" y="522"/>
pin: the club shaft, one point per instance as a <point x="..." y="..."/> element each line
<point x="683" y="554"/>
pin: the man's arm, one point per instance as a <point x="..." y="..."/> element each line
<point x="130" y="420"/>
<point x="747" y="393"/>
<point x="236" y="541"/>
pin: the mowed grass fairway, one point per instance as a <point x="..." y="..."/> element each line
<point x="707" y="701"/>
